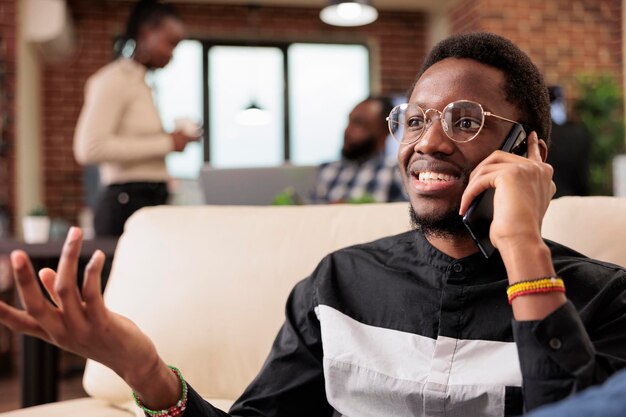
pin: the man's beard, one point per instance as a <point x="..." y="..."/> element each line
<point x="361" y="150"/>
<point x="446" y="225"/>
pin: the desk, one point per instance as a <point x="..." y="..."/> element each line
<point x="38" y="359"/>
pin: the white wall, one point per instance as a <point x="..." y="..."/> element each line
<point x="29" y="184"/>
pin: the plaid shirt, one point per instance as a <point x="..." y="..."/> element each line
<point x="345" y="180"/>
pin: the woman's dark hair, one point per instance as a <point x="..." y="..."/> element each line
<point x="524" y="86"/>
<point x="145" y="12"/>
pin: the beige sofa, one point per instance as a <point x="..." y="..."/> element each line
<point x="208" y="284"/>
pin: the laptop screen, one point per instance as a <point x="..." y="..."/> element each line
<point x="255" y="186"/>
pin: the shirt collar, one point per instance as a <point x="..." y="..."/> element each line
<point x="473" y="269"/>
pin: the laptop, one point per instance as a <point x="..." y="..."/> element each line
<point x="255" y="186"/>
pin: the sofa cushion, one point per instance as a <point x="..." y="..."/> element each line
<point x="594" y="226"/>
<point x="209" y="284"/>
<point x="90" y="407"/>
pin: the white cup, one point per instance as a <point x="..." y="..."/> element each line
<point x="188" y="126"/>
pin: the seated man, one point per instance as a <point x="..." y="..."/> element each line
<point x="364" y="171"/>
<point x="416" y="324"/>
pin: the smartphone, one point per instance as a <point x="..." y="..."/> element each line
<point x="478" y="217"/>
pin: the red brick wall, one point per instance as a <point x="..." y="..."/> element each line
<point x="8" y="21"/>
<point x="466" y="16"/>
<point x="563" y="37"/>
<point x="397" y="40"/>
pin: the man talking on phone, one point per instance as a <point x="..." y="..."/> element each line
<point x="418" y="324"/>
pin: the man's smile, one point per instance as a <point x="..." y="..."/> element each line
<point x="432" y="177"/>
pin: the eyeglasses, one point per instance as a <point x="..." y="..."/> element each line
<point x="461" y="121"/>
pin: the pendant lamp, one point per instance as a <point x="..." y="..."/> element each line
<point x="348" y="13"/>
<point x="253" y="115"/>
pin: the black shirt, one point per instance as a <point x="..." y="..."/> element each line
<point x="397" y="328"/>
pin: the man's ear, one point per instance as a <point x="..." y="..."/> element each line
<point x="543" y="149"/>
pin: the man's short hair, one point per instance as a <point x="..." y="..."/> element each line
<point x="386" y="105"/>
<point x="524" y="86"/>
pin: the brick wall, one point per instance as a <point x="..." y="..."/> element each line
<point x="8" y="30"/>
<point x="466" y="16"/>
<point x="563" y="37"/>
<point x="397" y="43"/>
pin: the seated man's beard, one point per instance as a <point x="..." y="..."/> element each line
<point x="359" y="150"/>
<point x="444" y="225"/>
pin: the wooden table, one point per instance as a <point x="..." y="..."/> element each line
<point x="38" y="359"/>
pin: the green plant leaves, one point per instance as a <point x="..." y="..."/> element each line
<point x="600" y="109"/>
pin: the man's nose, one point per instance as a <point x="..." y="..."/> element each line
<point x="434" y="139"/>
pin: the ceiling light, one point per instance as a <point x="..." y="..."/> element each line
<point x="348" y="13"/>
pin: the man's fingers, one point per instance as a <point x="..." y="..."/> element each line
<point x="47" y="277"/>
<point x="33" y="300"/>
<point x="65" y="285"/>
<point x="27" y="286"/>
<point x="497" y="157"/>
<point x="92" y="293"/>
<point x="534" y="154"/>
<point x="474" y="188"/>
<point x="20" y="321"/>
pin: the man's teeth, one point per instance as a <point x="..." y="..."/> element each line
<point x="434" y="176"/>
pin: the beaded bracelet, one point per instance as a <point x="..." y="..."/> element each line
<point x="535" y="286"/>
<point x="177" y="409"/>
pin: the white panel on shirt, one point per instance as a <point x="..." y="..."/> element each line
<point x="373" y="371"/>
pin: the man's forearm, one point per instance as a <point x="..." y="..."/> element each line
<point x="526" y="260"/>
<point x="159" y="388"/>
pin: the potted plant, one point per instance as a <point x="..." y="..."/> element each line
<point x="36" y="226"/>
<point x="599" y="107"/>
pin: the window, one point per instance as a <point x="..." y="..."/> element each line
<point x="300" y="95"/>
<point x="178" y="94"/>
<point x="240" y="77"/>
<point x="326" y="82"/>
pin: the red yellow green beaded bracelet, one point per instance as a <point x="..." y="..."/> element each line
<point x="174" y="411"/>
<point x="535" y="286"/>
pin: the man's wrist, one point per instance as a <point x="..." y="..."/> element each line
<point x="158" y="388"/>
<point x="526" y="259"/>
<point x="175" y="410"/>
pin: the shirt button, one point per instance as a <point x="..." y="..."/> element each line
<point x="457" y="267"/>
<point x="123" y="198"/>
<point x="555" y="343"/>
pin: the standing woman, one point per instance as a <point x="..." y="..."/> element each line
<point x="119" y="127"/>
